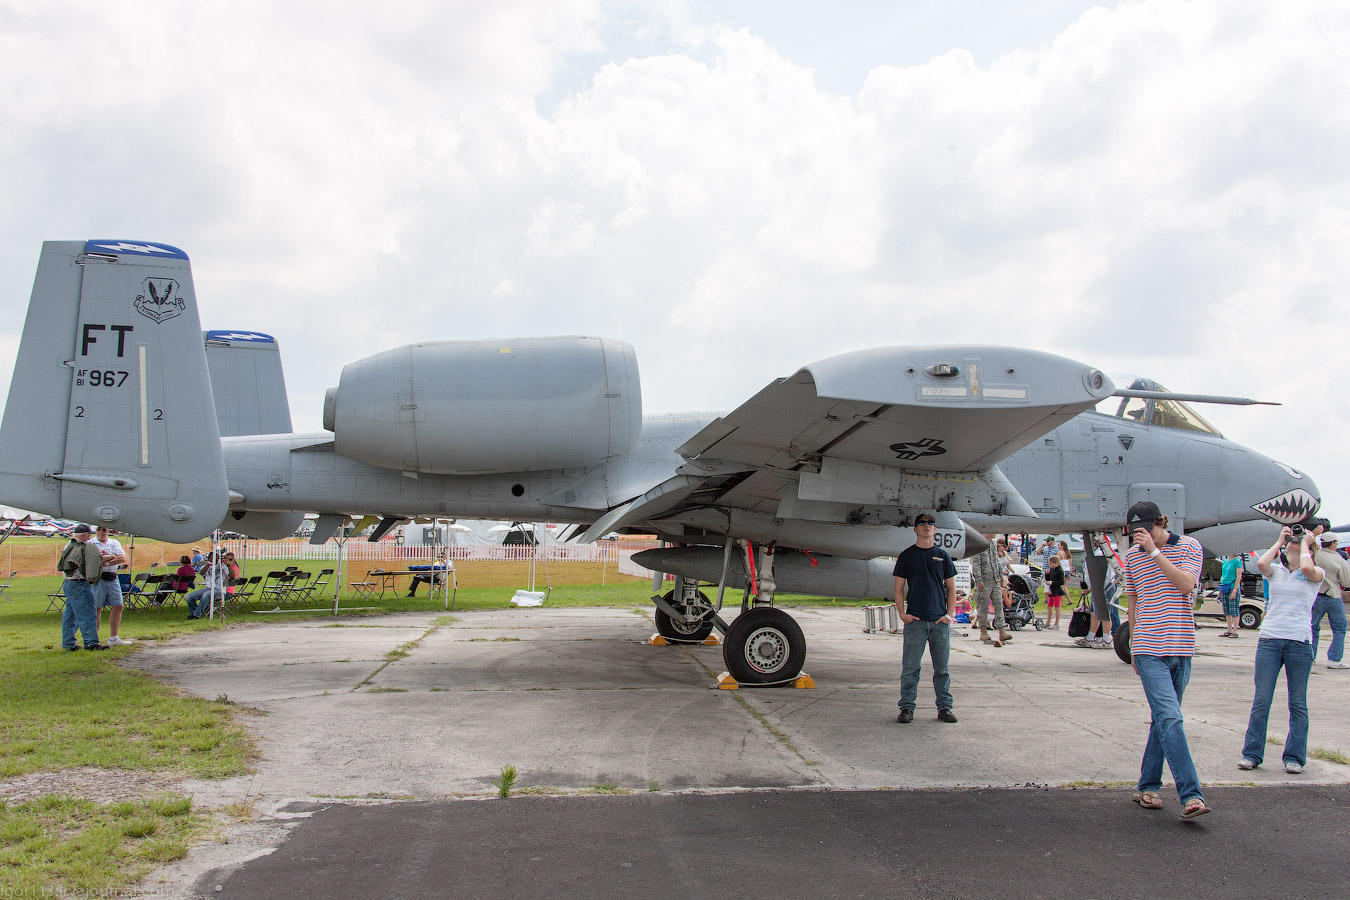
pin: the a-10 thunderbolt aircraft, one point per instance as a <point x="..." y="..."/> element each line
<point x="125" y="415"/>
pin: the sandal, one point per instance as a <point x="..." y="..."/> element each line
<point x="1149" y="800"/>
<point x="1194" y="807"/>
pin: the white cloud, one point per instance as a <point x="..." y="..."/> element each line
<point x="1158" y="189"/>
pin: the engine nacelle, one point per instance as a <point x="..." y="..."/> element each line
<point x="487" y="407"/>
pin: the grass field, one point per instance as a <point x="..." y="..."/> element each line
<point x="62" y="711"/>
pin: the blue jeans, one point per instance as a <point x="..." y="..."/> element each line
<point x="1164" y="679"/>
<point x="1334" y="610"/>
<point x="78" y="614"/>
<point x="937" y="637"/>
<point x="1297" y="659"/>
<point x="199" y="600"/>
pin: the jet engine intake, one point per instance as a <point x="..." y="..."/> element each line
<point x="489" y="407"/>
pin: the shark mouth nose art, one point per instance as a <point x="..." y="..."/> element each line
<point x="1290" y="507"/>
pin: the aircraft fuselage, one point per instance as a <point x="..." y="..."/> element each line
<point x="1081" y="476"/>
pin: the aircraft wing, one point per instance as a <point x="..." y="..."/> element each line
<point x="897" y="426"/>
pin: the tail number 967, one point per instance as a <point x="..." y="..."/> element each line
<point x="111" y="378"/>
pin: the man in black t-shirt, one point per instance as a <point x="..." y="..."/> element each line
<point x="925" y="597"/>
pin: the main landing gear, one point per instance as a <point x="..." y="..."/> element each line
<point x="762" y="646"/>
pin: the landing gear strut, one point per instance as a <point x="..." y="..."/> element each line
<point x="764" y="645"/>
<point x="695" y="603"/>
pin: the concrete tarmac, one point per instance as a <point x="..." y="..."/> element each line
<point x="416" y="707"/>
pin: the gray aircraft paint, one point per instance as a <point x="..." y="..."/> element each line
<point x="834" y="459"/>
<point x="111" y="418"/>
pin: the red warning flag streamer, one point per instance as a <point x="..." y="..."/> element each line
<point x="1109" y="546"/>
<point x="750" y="564"/>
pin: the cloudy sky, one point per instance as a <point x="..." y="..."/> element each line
<point x="736" y="188"/>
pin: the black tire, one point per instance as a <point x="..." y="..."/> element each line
<point x="672" y="630"/>
<point x="1015" y="624"/>
<point x="1122" y="642"/>
<point x="763" y="646"/>
<point x="1039" y="623"/>
<point x="1249" y="617"/>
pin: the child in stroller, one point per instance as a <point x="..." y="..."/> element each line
<point x="1022" y="590"/>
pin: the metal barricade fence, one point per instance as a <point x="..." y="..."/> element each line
<point x="881" y="618"/>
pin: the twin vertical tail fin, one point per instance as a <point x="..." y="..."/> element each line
<point x="110" y="416"/>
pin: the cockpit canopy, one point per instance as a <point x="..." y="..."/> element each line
<point x="1164" y="413"/>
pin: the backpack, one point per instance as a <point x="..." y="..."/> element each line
<point x="71" y="563"/>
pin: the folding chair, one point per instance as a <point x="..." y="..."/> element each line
<point x="277" y="587"/>
<point x="167" y="592"/>
<point x="316" y="584"/>
<point x="56" y="600"/>
<point x="245" y="590"/>
<point x="299" y="584"/>
<point x="133" y="594"/>
<point x="150" y="588"/>
<point x="372" y="588"/>
<point x="4" y="588"/>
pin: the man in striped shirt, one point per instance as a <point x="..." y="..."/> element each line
<point x="1162" y="570"/>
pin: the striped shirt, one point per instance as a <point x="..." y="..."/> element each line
<point x="1162" y="619"/>
<point x="1289" y="609"/>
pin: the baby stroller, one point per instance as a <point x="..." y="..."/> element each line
<point x="1023" y="609"/>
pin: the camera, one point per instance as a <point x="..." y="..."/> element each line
<point x="1296" y="531"/>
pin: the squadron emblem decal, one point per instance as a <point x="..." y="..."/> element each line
<point x="911" y="450"/>
<point x="159" y="300"/>
<point x="1126" y="440"/>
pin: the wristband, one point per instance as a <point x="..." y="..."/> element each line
<point x="1155" y="552"/>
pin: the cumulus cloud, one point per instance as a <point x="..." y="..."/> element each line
<point x="1154" y="190"/>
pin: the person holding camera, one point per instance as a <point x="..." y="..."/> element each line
<point x="1161" y="572"/>
<point x="1285" y="642"/>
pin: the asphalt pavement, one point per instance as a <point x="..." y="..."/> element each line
<point x="1259" y="842"/>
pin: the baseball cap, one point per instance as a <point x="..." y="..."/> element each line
<point x="1142" y="514"/>
<point x="82" y="529"/>
<point x="925" y="517"/>
<point x="1329" y="537"/>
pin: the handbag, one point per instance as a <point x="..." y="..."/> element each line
<point x="1079" y="622"/>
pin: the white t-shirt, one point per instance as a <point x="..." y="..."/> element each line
<point x="111" y="546"/>
<point x="1289" y="609"/>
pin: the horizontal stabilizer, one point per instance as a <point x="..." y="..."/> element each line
<point x="247" y="383"/>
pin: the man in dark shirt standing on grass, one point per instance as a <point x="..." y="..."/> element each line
<point x="925" y="597"/>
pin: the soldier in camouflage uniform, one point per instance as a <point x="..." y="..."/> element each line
<point x="986" y="581"/>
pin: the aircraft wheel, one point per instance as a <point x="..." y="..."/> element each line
<point x="672" y="630"/>
<point x="1122" y="641"/>
<point x="1249" y="617"/>
<point x="764" y="645"/>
